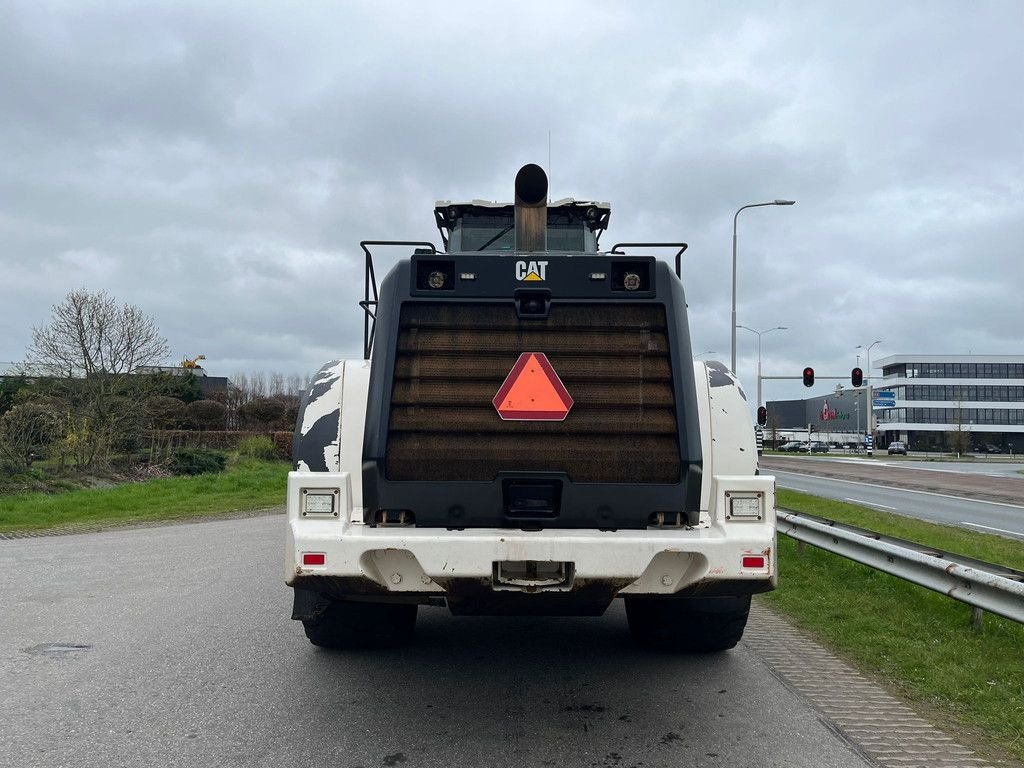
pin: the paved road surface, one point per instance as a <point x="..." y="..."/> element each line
<point x="1006" y="489"/>
<point x="992" y="468"/>
<point x="984" y="516"/>
<point x="192" y="661"/>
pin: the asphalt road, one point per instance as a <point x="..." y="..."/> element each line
<point x="188" y="658"/>
<point x="990" y="467"/>
<point x="985" y="516"/>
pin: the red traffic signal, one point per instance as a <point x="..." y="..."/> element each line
<point x="762" y="415"/>
<point x="808" y="377"/>
<point x="857" y="377"/>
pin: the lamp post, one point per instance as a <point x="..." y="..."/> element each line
<point x="867" y="353"/>
<point x="735" y="216"/>
<point x="759" y="335"/>
<point x="867" y="391"/>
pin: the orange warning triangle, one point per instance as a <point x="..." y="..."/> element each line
<point x="532" y="391"/>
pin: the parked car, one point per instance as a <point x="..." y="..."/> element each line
<point x="989" y="448"/>
<point x="897" y="447"/>
<point x="818" y="446"/>
<point x="790" y="446"/>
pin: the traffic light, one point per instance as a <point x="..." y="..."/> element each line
<point x="857" y="377"/>
<point x="808" y="377"/>
<point x="762" y="415"/>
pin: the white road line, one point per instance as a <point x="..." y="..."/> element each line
<point x="901" y="490"/>
<point x="870" y="504"/>
<point x="990" y="528"/>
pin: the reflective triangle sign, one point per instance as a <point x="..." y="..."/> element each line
<point x="532" y="391"/>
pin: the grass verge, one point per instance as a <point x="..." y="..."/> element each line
<point x="918" y="641"/>
<point x="246" y="484"/>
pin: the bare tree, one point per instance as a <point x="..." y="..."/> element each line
<point x="257" y="385"/>
<point x="91" y="334"/>
<point x="88" y="350"/>
<point x="296" y="385"/>
<point x="959" y="437"/>
<point x="275" y="387"/>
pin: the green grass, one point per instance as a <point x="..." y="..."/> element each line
<point x="246" y="484"/>
<point x="917" y="641"/>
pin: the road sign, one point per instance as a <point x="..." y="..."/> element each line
<point x="532" y="391"/>
<point x="883" y="399"/>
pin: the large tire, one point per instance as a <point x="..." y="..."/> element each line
<point x="362" y="625"/>
<point x="688" y="624"/>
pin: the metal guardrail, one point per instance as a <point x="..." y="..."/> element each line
<point x="984" y="586"/>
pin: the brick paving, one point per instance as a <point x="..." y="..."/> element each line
<point x="878" y="724"/>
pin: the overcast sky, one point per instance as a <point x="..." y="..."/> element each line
<point x="218" y="163"/>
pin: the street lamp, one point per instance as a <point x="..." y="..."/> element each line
<point x="743" y="208"/>
<point x="868" y="396"/>
<point x="867" y="353"/>
<point x="759" y="335"/>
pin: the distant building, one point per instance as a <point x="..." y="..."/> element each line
<point x="840" y="418"/>
<point x="936" y="396"/>
<point x="939" y="394"/>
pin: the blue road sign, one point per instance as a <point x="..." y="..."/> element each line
<point x="884" y="399"/>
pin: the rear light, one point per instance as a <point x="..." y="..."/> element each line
<point x="314" y="558"/>
<point x="755" y="561"/>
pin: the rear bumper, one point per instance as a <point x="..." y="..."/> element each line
<point x="407" y="563"/>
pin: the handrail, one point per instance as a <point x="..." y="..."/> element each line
<point x="679" y="254"/>
<point x="369" y="305"/>
<point x="984" y="586"/>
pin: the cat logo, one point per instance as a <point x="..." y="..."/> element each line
<point x="531" y="271"/>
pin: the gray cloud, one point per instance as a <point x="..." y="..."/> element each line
<point x="219" y="165"/>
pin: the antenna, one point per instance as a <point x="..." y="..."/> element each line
<point x="549" y="165"/>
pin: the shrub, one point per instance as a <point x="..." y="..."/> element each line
<point x="257" y="448"/>
<point x="25" y="430"/>
<point x="206" y="414"/>
<point x="164" y="412"/>
<point x="269" y="413"/>
<point x="197" y="461"/>
<point x="283" y="445"/>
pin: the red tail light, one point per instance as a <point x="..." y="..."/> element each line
<point x="755" y="561"/>
<point x="314" y="558"/>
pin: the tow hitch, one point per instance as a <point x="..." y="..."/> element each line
<point x="531" y="575"/>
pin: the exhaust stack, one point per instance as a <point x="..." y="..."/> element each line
<point x="531" y="209"/>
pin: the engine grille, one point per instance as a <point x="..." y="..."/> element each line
<point x="613" y="359"/>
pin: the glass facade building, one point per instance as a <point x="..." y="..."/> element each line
<point x="977" y="400"/>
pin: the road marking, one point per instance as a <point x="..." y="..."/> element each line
<point x="870" y="504"/>
<point x="990" y="528"/>
<point x="901" y="490"/>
